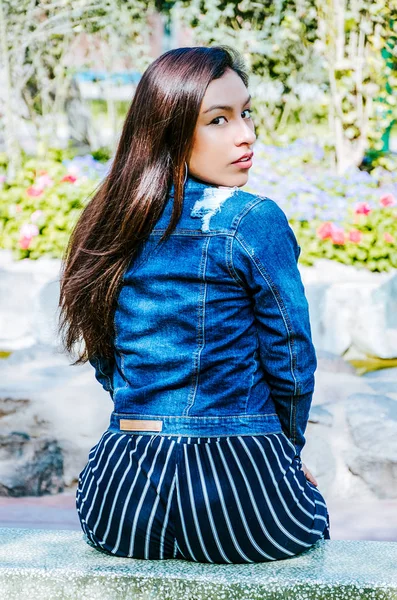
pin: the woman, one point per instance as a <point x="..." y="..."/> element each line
<point x="187" y="294"/>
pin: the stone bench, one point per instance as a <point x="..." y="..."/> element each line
<point x="51" y="565"/>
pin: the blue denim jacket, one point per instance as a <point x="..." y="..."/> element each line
<point x="212" y="331"/>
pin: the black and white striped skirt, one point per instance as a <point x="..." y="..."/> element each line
<point x="229" y="499"/>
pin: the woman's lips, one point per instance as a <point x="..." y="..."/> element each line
<point x="246" y="164"/>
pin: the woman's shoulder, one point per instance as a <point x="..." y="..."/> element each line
<point x="226" y="207"/>
<point x="259" y="210"/>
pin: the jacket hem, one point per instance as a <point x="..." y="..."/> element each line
<point x="197" y="426"/>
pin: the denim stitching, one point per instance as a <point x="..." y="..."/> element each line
<point x="107" y="377"/>
<point x="121" y="354"/>
<point x="255" y="357"/>
<point x="227" y="417"/>
<point x="200" y="328"/>
<point x="293" y="420"/>
<point x="230" y="264"/>
<point x="122" y="369"/>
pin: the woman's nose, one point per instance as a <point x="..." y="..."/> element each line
<point x="246" y="134"/>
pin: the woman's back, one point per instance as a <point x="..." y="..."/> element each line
<point x="194" y="348"/>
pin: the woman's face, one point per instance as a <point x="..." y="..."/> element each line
<point x="224" y="133"/>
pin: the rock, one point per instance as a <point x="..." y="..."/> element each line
<point x="373" y="424"/>
<point x="352" y="308"/>
<point x="42" y="395"/>
<point x="9" y="406"/>
<point x="324" y="455"/>
<point x="375" y="322"/>
<point x="319" y="458"/>
<point x="333" y="388"/>
<point x="16" y="298"/>
<point x="383" y="381"/>
<point x="389" y="374"/>
<point x="321" y="415"/>
<point x="384" y="387"/>
<point x="46" y="313"/>
<point x="27" y="291"/>
<point x="333" y="363"/>
<point x="29" y="466"/>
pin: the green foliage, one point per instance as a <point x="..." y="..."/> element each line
<point x="277" y="41"/>
<point x="54" y="212"/>
<point x="37" y="43"/>
<point x="311" y="62"/>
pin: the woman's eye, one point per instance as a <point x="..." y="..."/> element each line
<point x="248" y="110"/>
<point x="216" y="119"/>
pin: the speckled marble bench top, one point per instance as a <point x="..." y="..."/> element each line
<point x="47" y="565"/>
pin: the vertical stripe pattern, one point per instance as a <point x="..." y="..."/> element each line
<point x="225" y="500"/>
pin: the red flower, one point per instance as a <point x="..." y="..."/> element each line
<point x="330" y="231"/>
<point x="355" y="236"/>
<point x="387" y="200"/>
<point x="363" y="208"/>
<point x="70" y="178"/>
<point x="389" y="238"/>
<point x="24" y="242"/>
<point x="338" y="236"/>
<point x="325" y="230"/>
<point x="34" y="191"/>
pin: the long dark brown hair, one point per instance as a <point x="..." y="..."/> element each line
<point x="155" y="142"/>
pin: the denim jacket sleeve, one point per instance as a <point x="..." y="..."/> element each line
<point x="265" y="256"/>
<point x="103" y="372"/>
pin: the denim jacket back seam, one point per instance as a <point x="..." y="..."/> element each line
<point x="200" y="328"/>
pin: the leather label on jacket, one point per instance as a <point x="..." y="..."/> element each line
<point x="140" y="425"/>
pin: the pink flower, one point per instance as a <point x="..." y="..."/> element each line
<point x="338" y="236"/>
<point x="36" y="215"/>
<point x="44" y="181"/>
<point x="389" y="238"/>
<point x="387" y="200"/>
<point x="29" y="230"/>
<point x="363" y="208"/>
<point x="2" y="178"/>
<point x="24" y="242"/>
<point x="331" y="231"/>
<point x="40" y="184"/>
<point x="325" y="230"/>
<point x="70" y="178"/>
<point x="18" y="208"/>
<point x="34" y="191"/>
<point x="355" y="236"/>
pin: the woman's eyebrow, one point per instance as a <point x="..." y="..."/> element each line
<point x="225" y="106"/>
